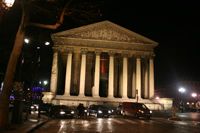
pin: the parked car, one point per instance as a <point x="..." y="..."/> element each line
<point x="136" y="109"/>
<point x="44" y="107"/>
<point x="99" y="111"/>
<point x="119" y="109"/>
<point x="61" y="111"/>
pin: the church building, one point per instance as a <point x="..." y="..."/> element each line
<point x="101" y="63"/>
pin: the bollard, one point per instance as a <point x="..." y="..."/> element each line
<point x="174" y="108"/>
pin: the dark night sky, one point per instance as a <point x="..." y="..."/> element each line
<point x="174" y="25"/>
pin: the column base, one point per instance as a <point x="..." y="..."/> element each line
<point x="66" y="94"/>
<point x="124" y="97"/>
<point x="110" y="96"/>
<point x="96" y="96"/>
<point x="81" y="95"/>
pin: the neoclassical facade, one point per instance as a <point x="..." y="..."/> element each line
<point x="102" y="62"/>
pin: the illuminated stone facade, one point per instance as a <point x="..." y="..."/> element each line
<point x="102" y="62"/>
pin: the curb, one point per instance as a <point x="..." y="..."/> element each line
<point x="35" y="126"/>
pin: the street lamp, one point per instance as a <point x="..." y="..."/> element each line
<point x="194" y="95"/>
<point x="5" y="5"/>
<point x="181" y="90"/>
<point x="9" y="3"/>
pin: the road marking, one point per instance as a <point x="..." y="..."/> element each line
<point x="118" y="121"/>
<point x="79" y="121"/>
<point x="67" y="121"/>
<point x="53" y="122"/>
<point x="130" y="121"/>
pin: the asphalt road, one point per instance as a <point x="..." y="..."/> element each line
<point x="119" y="124"/>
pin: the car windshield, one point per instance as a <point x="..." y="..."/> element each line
<point x="62" y="107"/>
<point x="101" y="107"/>
<point x="141" y="106"/>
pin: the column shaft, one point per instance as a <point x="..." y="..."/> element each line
<point x="151" y="78"/>
<point x="146" y="77"/>
<point x="68" y="74"/>
<point x="82" y="75"/>
<point x="125" y="75"/>
<point x="138" y="76"/>
<point x="111" y="77"/>
<point x="95" y="91"/>
<point x="54" y="73"/>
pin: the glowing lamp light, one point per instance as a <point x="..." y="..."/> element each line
<point x="9" y="3"/>
<point x="157" y="98"/>
<point x="26" y="40"/>
<point x="47" y="43"/>
<point x="194" y="94"/>
<point x="45" y="82"/>
<point x="181" y="90"/>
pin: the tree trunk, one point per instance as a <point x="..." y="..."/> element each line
<point x="10" y="72"/>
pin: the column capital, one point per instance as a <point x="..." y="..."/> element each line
<point x="84" y="50"/>
<point x="125" y="54"/>
<point x="111" y="52"/>
<point x="138" y="55"/>
<point x="55" y="49"/>
<point x="70" y="49"/>
<point x="151" y="56"/>
<point x="98" y="51"/>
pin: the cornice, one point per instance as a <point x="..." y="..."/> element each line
<point x="103" y="44"/>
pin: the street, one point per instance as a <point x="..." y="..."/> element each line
<point x="118" y="124"/>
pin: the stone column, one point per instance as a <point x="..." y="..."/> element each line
<point x="95" y="91"/>
<point x="68" y="71"/>
<point x="138" y="76"/>
<point x="146" y="78"/>
<point x="125" y="75"/>
<point x="111" y="75"/>
<point x="54" y="73"/>
<point x="151" y="77"/>
<point x="134" y="79"/>
<point x="83" y="72"/>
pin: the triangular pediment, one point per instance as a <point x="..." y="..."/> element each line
<point x="107" y="31"/>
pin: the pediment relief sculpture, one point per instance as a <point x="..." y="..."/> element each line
<point x="106" y="33"/>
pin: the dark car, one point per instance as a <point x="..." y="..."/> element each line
<point x="99" y="111"/>
<point x="61" y="111"/>
<point x="44" y="107"/>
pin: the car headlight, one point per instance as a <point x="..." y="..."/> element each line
<point x="99" y="111"/>
<point x="150" y="111"/>
<point x="72" y="112"/>
<point x="109" y="111"/>
<point x="85" y="110"/>
<point x="32" y="107"/>
<point x="62" y="112"/>
<point x="141" y="111"/>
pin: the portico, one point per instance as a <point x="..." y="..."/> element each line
<point x="102" y="62"/>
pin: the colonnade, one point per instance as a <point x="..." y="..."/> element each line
<point x="137" y="81"/>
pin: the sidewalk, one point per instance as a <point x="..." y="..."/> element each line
<point x="29" y="125"/>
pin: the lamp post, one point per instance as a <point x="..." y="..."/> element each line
<point x="181" y="90"/>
